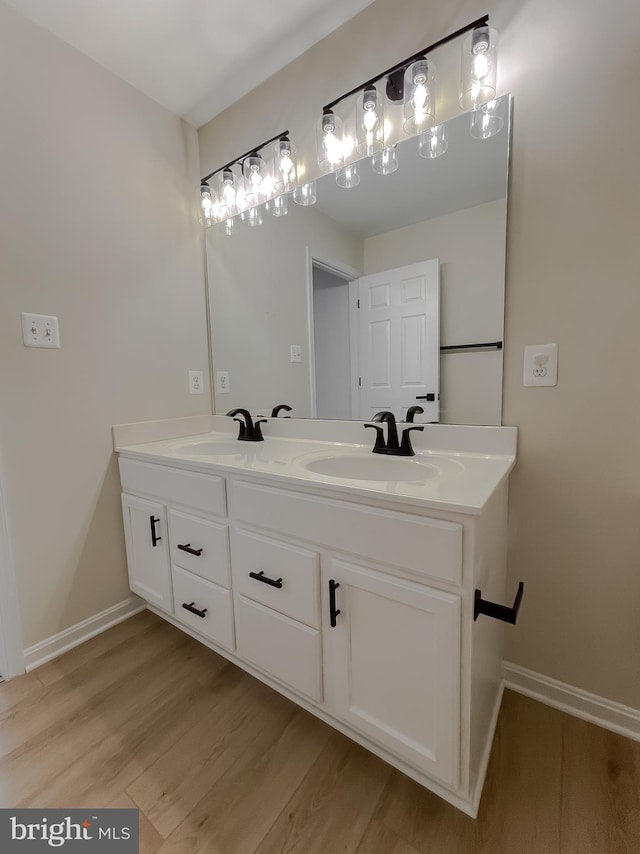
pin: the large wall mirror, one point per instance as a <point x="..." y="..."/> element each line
<point x="382" y="296"/>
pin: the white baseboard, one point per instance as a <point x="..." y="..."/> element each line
<point x="56" y="645"/>
<point x="590" y="707"/>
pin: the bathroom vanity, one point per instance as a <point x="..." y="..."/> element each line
<point x="346" y="581"/>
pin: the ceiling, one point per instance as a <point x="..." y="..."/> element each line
<point x="195" y="57"/>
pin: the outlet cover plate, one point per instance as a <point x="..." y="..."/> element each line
<point x="541" y="365"/>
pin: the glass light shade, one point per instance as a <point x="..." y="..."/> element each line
<point x="279" y="206"/>
<point x="207" y="205"/>
<point x="370" y="121"/>
<point x="479" y="68"/>
<point x="386" y="161"/>
<point x="253" y="216"/>
<point x="231" y="226"/>
<point x="284" y="165"/>
<point x="227" y="185"/>
<point x="329" y="141"/>
<point x="255" y="174"/>
<point x="434" y="142"/>
<point x="305" y="194"/>
<point x="419" y="96"/>
<point x="488" y="120"/>
<point x="348" y="176"/>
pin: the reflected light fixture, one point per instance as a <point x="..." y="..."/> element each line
<point x="488" y="120"/>
<point x="479" y="68"/>
<point x="305" y="194"/>
<point x="434" y="142"/>
<point x="386" y="161"/>
<point x="278" y="206"/>
<point x="348" y="176"/>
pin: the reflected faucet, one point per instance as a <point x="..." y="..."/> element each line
<point x="250" y="430"/>
<point x="281" y="407"/>
<point x="392" y="446"/>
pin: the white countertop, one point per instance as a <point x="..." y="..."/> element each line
<point x="452" y="480"/>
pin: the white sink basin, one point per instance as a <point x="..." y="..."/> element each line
<point x="374" y="467"/>
<point x="212" y="447"/>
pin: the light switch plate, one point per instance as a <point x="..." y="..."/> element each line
<point x="541" y="365"/>
<point x="40" y="330"/>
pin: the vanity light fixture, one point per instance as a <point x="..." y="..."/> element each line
<point x="370" y="121"/>
<point x="236" y="196"/>
<point x="329" y="141"/>
<point x="479" y="67"/>
<point x="207" y="204"/>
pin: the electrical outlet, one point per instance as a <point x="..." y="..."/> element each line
<point x="40" y="330"/>
<point x="296" y="353"/>
<point x="196" y="382"/>
<point x="222" y="382"/>
<point x="541" y="365"/>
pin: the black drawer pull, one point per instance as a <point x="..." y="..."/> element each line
<point x="189" y="607"/>
<point x="333" y="611"/>
<point x="155" y="539"/>
<point x="498" y="612"/>
<point x="187" y="548"/>
<point x="260" y="576"/>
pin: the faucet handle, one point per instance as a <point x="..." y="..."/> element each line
<point x="257" y="430"/>
<point x="242" y="432"/>
<point x="379" y="447"/>
<point x="405" y="446"/>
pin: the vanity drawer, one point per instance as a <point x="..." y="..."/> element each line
<point x="217" y="622"/>
<point x="200" y="491"/>
<point x="429" y="547"/>
<point x="296" y="569"/>
<point x="281" y="647"/>
<point x="211" y="539"/>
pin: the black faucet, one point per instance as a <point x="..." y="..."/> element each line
<point x="282" y="407"/>
<point x="250" y="430"/>
<point x="392" y="446"/>
<point x="412" y="411"/>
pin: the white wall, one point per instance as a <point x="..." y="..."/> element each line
<point x="259" y="310"/>
<point x="331" y="345"/>
<point x="97" y="226"/>
<point x="470" y="245"/>
<point x="572" y="261"/>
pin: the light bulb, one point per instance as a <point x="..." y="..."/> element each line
<point x="206" y="203"/>
<point x="330" y="143"/>
<point x="284" y="166"/>
<point x="478" y="68"/>
<point x="228" y="189"/>
<point x="419" y="86"/>
<point x="369" y="122"/>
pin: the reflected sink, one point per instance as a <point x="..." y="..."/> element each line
<point x="211" y="447"/>
<point x="374" y="467"/>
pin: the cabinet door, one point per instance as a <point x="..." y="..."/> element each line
<point x="392" y="664"/>
<point x="145" y="529"/>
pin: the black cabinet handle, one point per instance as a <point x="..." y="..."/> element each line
<point x="333" y="611"/>
<point x="260" y="576"/>
<point x="498" y="612"/>
<point x="155" y="539"/>
<point x="187" y="548"/>
<point x="198" y="613"/>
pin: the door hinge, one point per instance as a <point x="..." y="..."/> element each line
<point x="358" y="303"/>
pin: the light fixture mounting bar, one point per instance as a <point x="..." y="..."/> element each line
<point x="405" y="62"/>
<point x="246" y="154"/>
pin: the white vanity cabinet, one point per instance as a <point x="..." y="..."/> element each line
<point x="359" y="608"/>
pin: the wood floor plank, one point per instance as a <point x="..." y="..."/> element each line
<point x="236" y="814"/>
<point x="600" y="792"/>
<point x="150" y="840"/>
<point x="127" y="630"/>
<point x="334" y="805"/>
<point x="379" y="839"/>
<point x="520" y="807"/>
<point x="171" y="787"/>
<point x="26" y="689"/>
